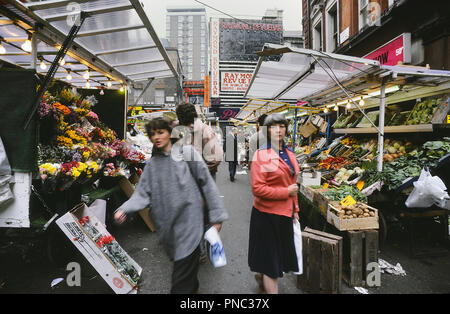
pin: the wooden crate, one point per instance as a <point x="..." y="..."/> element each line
<point x="360" y="249"/>
<point x="322" y="202"/>
<point x="352" y="223"/>
<point x="322" y="262"/>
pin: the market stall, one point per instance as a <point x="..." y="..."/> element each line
<point x="392" y="123"/>
<point x="66" y="68"/>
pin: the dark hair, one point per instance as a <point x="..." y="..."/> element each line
<point x="186" y="113"/>
<point x="276" y="118"/>
<point x="158" y="124"/>
<point x="261" y="119"/>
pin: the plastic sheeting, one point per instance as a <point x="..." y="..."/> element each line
<point x="5" y="177"/>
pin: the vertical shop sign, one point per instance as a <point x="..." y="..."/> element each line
<point x="206" y="94"/>
<point x="215" y="31"/>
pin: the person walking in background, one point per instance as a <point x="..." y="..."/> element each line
<point x="274" y="174"/>
<point x="257" y="139"/>
<point x="168" y="187"/>
<point x="202" y="137"/>
<point x="230" y="146"/>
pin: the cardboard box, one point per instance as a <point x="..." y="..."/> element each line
<point x="69" y="224"/>
<point x="352" y="223"/>
<point x="307" y="192"/>
<point x="308" y="178"/>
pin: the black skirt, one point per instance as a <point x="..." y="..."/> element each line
<point x="271" y="248"/>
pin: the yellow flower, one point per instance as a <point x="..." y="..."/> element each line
<point x="86" y="155"/>
<point x="75" y="173"/>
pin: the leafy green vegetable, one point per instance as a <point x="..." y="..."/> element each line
<point x="343" y="191"/>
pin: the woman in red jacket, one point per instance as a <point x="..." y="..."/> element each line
<point x="274" y="174"/>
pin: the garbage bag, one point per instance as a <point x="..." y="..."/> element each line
<point x="5" y="176"/>
<point x="427" y="191"/>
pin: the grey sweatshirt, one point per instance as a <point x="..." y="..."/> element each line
<point x="168" y="188"/>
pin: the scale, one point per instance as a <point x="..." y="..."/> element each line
<point x="309" y="175"/>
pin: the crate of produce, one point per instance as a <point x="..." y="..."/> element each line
<point x="322" y="262"/>
<point x="356" y="217"/>
<point x="322" y="202"/>
<point x="307" y="192"/>
<point x="399" y="118"/>
<point x="365" y="123"/>
<point x="432" y="110"/>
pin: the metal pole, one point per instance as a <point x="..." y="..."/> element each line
<point x="381" y="127"/>
<point x="295" y="129"/>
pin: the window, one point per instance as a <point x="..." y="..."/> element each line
<point x="332" y="26"/>
<point x="363" y="6"/>
<point x="159" y="96"/>
<point x="317" y="37"/>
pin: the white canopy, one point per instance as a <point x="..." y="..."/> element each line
<point x="116" y="40"/>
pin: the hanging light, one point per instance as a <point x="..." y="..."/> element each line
<point x="69" y="76"/>
<point x="361" y="102"/>
<point x="109" y="83"/>
<point x="121" y="88"/>
<point x="86" y="74"/>
<point x="87" y="84"/>
<point x="26" y="46"/>
<point x="348" y="105"/>
<point x="336" y="108"/>
<point x="325" y="110"/>
<point x="2" y="49"/>
<point x="102" y="92"/>
<point x="62" y="62"/>
<point x="43" y="66"/>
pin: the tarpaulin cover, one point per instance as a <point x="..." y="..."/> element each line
<point x="17" y="95"/>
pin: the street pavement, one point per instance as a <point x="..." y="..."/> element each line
<point x="35" y="274"/>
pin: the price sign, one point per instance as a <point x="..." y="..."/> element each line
<point x="448" y="118"/>
<point x="325" y="186"/>
<point x="348" y="201"/>
<point x="360" y="185"/>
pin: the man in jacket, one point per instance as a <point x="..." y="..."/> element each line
<point x="231" y="152"/>
<point x="201" y="136"/>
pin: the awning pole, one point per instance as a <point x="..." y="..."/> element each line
<point x="381" y="127"/>
<point x="295" y="129"/>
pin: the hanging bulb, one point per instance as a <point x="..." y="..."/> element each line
<point x="101" y="91"/>
<point x="2" y="49"/>
<point x="43" y="65"/>
<point x="361" y="102"/>
<point x="87" y="84"/>
<point x="348" y="105"/>
<point x="325" y="110"/>
<point x="69" y="76"/>
<point x="336" y="108"/>
<point x="62" y="62"/>
<point x="121" y="88"/>
<point x="109" y="83"/>
<point x="26" y="46"/>
<point x="86" y="74"/>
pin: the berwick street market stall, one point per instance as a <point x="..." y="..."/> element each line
<point x="391" y="124"/>
<point x="65" y="70"/>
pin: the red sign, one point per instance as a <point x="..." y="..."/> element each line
<point x="235" y="81"/>
<point x="395" y="51"/>
<point x="206" y="94"/>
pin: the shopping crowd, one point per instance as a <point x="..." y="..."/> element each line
<point x="178" y="184"/>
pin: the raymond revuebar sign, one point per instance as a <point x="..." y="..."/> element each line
<point x="234" y="81"/>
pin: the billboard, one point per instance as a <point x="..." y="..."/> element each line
<point x="239" y="40"/>
<point x="225" y="113"/>
<point x="215" y="43"/>
<point x="234" y="81"/>
<point x="396" y="51"/>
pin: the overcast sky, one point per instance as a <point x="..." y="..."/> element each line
<point x="249" y="9"/>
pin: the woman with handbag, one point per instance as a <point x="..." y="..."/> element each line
<point x="274" y="174"/>
<point x="175" y="198"/>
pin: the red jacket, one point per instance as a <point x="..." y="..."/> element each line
<point x="270" y="177"/>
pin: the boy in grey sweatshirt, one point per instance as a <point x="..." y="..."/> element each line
<point x="168" y="188"/>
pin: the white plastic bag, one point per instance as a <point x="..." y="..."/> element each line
<point x="215" y="248"/>
<point x="298" y="246"/>
<point x="427" y="191"/>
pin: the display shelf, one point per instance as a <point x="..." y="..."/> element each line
<point x="395" y="129"/>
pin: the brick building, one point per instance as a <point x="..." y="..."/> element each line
<point x="420" y="30"/>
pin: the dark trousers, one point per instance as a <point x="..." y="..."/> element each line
<point x="232" y="165"/>
<point x="184" y="276"/>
